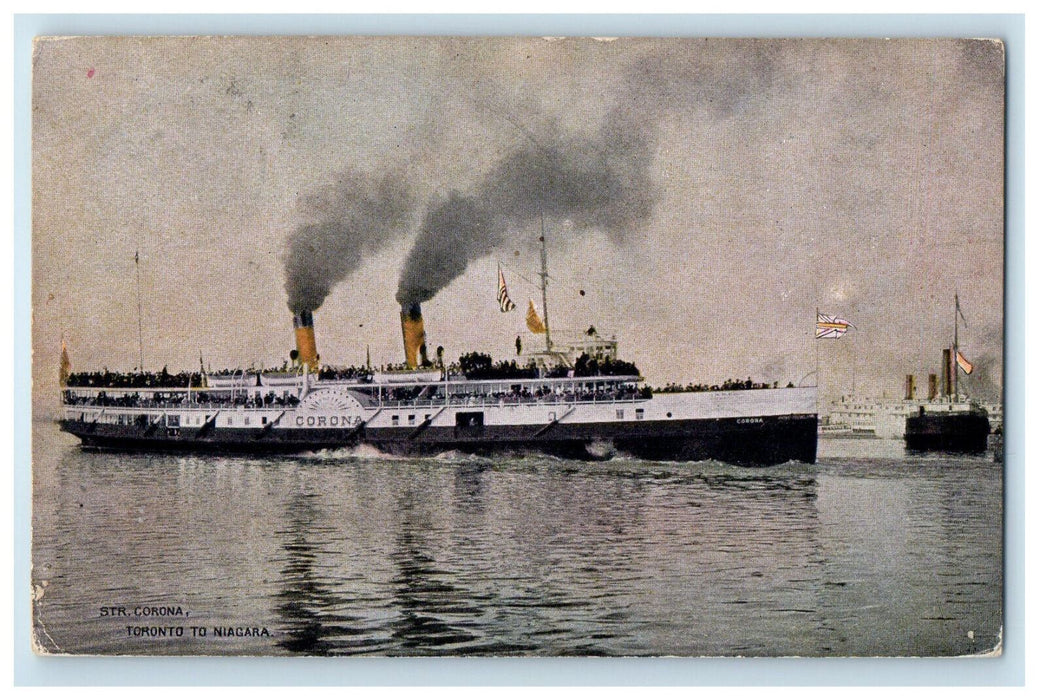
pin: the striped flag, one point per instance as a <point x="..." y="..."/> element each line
<point x="831" y="326"/>
<point x="964" y="364"/>
<point x="503" y="300"/>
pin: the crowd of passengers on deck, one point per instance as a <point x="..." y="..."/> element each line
<point x="726" y="385"/>
<point x="523" y="394"/>
<point x="132" y="380"/>
<point x="162" y="399"/>
<point x="517" y="393"/>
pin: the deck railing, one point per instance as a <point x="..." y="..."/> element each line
<point x="427" y="402"/>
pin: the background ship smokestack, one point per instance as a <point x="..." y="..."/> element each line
<point x="946" y="372"/>
<point x="909" y="387"/>
<point x="305" y="338"/>
<point x="413" y="332"/>
<point x="931" y="392"/>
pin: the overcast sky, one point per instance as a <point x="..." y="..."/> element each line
<point x="738" y="187"/>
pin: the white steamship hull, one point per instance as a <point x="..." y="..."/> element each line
<point x="748" y="427"/>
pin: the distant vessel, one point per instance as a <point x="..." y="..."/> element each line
<point x="951" y="426"/>
<point x="574" y="399"/>
<point x="884" y="418"/>
<point x="943" y="420"/>
<point x="952" y="423"/>
<point x="867" y="417"/>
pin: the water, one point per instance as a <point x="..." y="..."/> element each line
<point x="351" y="552"/>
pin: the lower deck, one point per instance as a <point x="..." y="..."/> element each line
<point x="749" y="440"/>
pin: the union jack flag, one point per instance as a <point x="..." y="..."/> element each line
<point x="503" y="300"/>
<point x="831" y="326"/>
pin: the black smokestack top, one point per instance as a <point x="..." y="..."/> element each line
<point x="303" y="319"/>
<point x="602" y="182"/>
<point x="411" y="311"/>
<point x="352" y="217"/>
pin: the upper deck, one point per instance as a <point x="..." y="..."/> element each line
<point x="378" y="390"/>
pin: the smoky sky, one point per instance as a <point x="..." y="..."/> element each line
<point x="598" y="182"/>
<point x="352" y="217"/>
<point x="863" y="177"/>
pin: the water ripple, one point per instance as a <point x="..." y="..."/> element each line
<point x="343" y="552"/>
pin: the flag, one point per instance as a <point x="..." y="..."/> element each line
<point x="64" y="365"/>
<point x="831" y="326"/>
<point x="503" y="300"/>
<point x="534" y="322"/>
<point x="963" y="363"/>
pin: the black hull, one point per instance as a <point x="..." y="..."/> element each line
<point x="767" y="443"/>
<point x="750" y="442"/>
<point x="221" y="440"/>
<point x="947" y="432"/>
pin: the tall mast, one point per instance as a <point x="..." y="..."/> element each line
<point x="141" y="351"/>
<point x="955" y="352"/>
<point x="544" y="286"/>
<point x="853" y="364"/>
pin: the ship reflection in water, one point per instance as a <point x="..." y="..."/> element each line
<point x="344" y="553"/>
<point x="307" y="600"/>
<point x="426" y="602"/>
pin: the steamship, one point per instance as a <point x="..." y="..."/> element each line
<point x="951" y="422"/>
<point x="430" y="408"/>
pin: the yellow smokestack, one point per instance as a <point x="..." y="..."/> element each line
<point x="305" y="339"/>
<point x="413" y="332"/>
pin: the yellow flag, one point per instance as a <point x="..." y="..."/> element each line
<point x="534" y="322"/>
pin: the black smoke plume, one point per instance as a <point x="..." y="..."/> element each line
<point x="600" y="183"/>
<point x="351" y="218"/>
<point x="982" y="383"/>
<point x="600" y="180"/>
